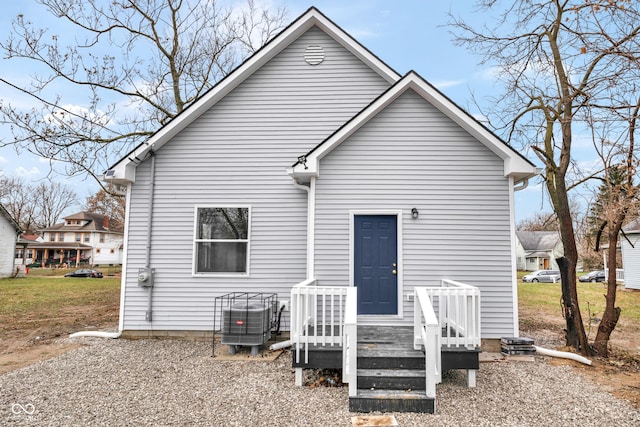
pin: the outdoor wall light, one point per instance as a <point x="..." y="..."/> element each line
<point x="414" y="213"/>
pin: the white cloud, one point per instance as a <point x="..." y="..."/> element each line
<point x="46" y="161"/>
<point x="70" y="114"/>
<point x="363" y="33"/>
<point x="3" y="159"/>
<point x="448" y="83"/>
<point x="22" y="171"/>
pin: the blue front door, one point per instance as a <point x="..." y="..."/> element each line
<point x="375" y="263"/>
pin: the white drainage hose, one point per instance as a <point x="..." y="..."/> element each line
<point x="279" y="345"/>
<point x="562" y="354"/>
<point x="96" y="334"/>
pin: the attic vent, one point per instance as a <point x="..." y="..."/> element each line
<point x="314" y="54"/>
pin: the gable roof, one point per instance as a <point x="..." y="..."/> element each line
<point x="538" y="240"/>
<point x="5" y="213"/>
<point x="633" y="227"/>
<point x="124" y="170"/>
<point x="515" y="164"/>
<point x="91" y="222"/>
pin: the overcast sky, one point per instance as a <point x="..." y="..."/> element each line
<point x="407" y="35"/>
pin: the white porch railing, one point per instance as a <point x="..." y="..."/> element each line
<point x="619" y="274"/>
<point x="448" y="315"/>
<point x="457" y="324"/>
<point x="350" y="344"/>
<point x="458" y="309"/>
<point x="426" y="334"/>
<point x="317" y="316"/>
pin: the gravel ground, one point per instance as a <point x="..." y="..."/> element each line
<point x="153" y="382"/>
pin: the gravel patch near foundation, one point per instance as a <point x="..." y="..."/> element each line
<point x="156" y="382"/>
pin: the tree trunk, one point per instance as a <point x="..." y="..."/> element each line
<point x="611" y="312"/>
<point x="576" y="336"/>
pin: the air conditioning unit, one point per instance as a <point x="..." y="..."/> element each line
<point x="247" y="320"/>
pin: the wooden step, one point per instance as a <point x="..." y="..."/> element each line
<point x="389" y="356"/>
<point x="392" y="379"/>
<point x="391" y="401"/>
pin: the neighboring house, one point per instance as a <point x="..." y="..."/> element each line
<point x="538" y="250"/>
<point x="9" y="233"/>
<point x="83" y="237"/>
<point x="630" y="246"/>
<point x="309" y="160"/>
<point x="24" y="255"/>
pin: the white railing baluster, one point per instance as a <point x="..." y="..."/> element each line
<point x="332" y="317"/>
<point x="426" y="334"/>
<point x="318" y="316"/>
<point x="458" y="313"/>
<point x="350" y="345"/>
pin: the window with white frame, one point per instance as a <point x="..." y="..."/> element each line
<point x="222" y="240"/>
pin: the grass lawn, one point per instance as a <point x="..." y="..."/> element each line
<point x="540" y="308"/>
<point x="546" y="298"/>
<point x="37" y="294"/>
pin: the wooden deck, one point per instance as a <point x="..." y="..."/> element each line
<point x="391" y="375"/>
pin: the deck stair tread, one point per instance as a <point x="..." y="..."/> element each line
<point x="392" y="394"/>
<point x="388" y="349"/>
<point x="392" y="401"/>
<point x="391" y="375"/>
<point x="392" y="372"/>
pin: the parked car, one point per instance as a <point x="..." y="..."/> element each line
<point x="593" y="276"/>
<point x="549" y="276"/>
<point x="85" y="272"/>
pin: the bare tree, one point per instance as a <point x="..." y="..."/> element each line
<point x="17" y="198"/>
<point x="555" y="58"/>
<point x="137" y="63"/>
<point x="108" y="203"/>
<point x="36" y="206"/>
<point x="541" y="221"/>
<point x="618" y="197"/>
<point x="52" y="199"/>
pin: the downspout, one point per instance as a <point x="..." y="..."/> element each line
<point x="310" y="189"/>
<point x="311" y="209"/>
<point x="145" y="277"/>
<point x="523" y="184"/>
<point x="514" y="258"/>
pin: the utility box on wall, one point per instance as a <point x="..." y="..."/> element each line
<point x="145" y="277"/>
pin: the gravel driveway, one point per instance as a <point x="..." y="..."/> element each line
<point x="152" y="382"/>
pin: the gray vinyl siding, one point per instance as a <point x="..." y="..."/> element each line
<point x="631" y="261"/>
<point x="236" y="154"/>
<point x="411" y="155"/>
<point x="8" y="237"/>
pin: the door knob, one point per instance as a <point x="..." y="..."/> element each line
<point x="394" y="264"/>
<point x="394" y="272"/>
